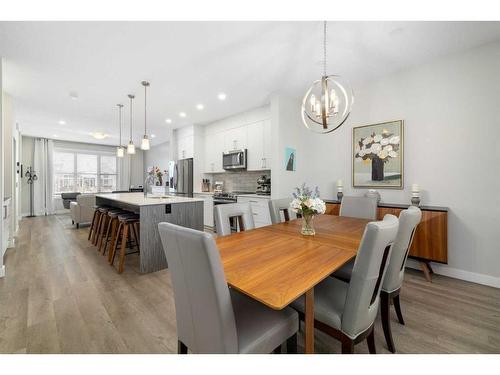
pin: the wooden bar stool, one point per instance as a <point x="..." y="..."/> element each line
<point x="127" y="225"/>
<point x="111" y="229"/>
<point x="101" y="225"/>
<point x="95" y="223"/>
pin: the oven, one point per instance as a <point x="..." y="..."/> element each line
<point x="235" y="159"/>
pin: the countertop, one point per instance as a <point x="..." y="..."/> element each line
<point x="138" y="199"/>
<point x="248" y="195"/>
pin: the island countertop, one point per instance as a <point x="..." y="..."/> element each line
<point x="138" y="199"/>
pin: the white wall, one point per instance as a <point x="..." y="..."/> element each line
<point x="452" y="130"/>
<point x="158" y="155"/>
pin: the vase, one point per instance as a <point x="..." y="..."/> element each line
<point x="307" y="225"/>
<point x="148" y="185"/>
<point x="377" y="169"/>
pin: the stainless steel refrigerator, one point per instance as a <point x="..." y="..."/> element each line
<point x="181" y="177"/>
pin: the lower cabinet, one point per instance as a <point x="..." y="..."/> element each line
<point x="208" y="209"/>
<point x="260" y="210"/>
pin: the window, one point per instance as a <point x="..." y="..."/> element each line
<point x="84" y="172"/>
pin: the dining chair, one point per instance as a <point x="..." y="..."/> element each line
<point x="279" y="207"/>
<point x="359" y="207"/>
<point x="212" y="318"/>
<point x="347" y="311"/>
<point x="242" y="212"/>
<point x="391" y="286"/>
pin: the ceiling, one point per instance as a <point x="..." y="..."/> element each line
<point x="191" y="62"/>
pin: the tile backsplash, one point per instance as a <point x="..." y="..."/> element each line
<point x="239" y="180"/>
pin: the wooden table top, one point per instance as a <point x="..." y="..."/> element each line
<point x="276" y="264"/>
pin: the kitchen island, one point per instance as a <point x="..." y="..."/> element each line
<point x="187" y="212"/>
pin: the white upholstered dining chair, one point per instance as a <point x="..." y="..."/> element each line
<point x="279" y="210"/>
<point x="359" y="207"/>
<point x="241" y="212"/>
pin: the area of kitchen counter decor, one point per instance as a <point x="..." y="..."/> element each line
<point x="307" y="203"/>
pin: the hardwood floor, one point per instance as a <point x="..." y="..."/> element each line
<point x="61" y="296"/>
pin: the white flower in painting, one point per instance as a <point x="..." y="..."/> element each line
<point x="384" y="142"/>
<point x="367" y="140"/>
<point x="377" y="138"/>
<point x="357" y="148"/>
<point x="375" y="149"/>
<point x="388" y="148"/>
<point x="382" y="154"/>
<point x="361" y="153"/>
<point x="393" y="154"/>
<point x="394" y="140"/>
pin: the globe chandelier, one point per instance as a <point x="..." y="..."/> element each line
<point x="328" y="102"/>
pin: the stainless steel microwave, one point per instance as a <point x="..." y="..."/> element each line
<point x="234" y="159"/>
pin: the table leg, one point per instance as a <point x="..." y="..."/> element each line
<point x="309" y="322"/>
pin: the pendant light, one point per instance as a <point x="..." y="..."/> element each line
<point x="145" y="140"/>
<point x="327" y="104"/>
<point x="120" y="152"/>
<point x="131" y="146"/>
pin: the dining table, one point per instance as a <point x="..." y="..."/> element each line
<point x="276" y="264"/>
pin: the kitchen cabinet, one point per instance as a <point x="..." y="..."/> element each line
<point x="213" y="153"/>
<point x="259" y="145"/>
<point x="208" y="209"/>
<point x="236" y="138"/>
<point x="260" y="209"/>
<point x="185" y="147"/>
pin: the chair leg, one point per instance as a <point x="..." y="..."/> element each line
<point x="104" y="240"/>
<point x="181" y="348"/>
<point x="92" y="226"/>
<point x="291" y="344"/>
<point x="370" y="340"/>
<point x="95" y="236"/>
<point x="112" y="239"/>
<point x="397" y="307"/>
<point x="123" y="247"/>
<point x="77" y="225"/>
<point x="386" y="320"/>
<point x="112" y="252"/>
<point x="102" y="231"/>
<point x="347" y="345"/>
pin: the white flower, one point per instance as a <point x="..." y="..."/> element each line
<point x="384" y="142"/>
<point x="382" y="154"/>
<point x="318" y="206"/>
<point x="357" y="148"/>
<point x="367" y="140"/>
<point x="388" y="148"/>
<point x="393" y="154"/>
<point x="394" y="140"/>
<point x="375" y="149"/>
<point x="377" y="138"/>
<point x="361" y="153"/>
<point x="295" y="205"/>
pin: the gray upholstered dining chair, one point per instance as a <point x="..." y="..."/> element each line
<point x="360" y="207"/>
<point x="277" y="207"/>
<point x="408" y="221"/>
<point x="211" y="318"/>
<point x="242" y="212"/>
<point x="347" y="311"/>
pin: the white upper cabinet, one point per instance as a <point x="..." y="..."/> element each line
<point x="214" y="147"/>
<point x="185" y="147"/>
<point x="259" y="144"/>
<point x="236" y="138"/>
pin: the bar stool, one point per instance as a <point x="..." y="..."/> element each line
<point x="126" y="224"/>
<point x="112" y="229"/>
<point x="102" y="225"/>
<point x="95" y="223"/>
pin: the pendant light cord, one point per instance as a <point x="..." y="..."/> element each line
<point x="131" y="97"/>
<point x="120" y="121"/>
<point x="324" y="48"/>
<point x="145" y="90"/>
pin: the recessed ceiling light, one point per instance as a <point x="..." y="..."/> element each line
<point x="200" y="107"/>
<point x="222" y="96"/>
<point x="99" y="135"/>
<point x="182" y="114"/>
<point x="168" y="120"/>
<point x="73" y="95"/>
<point x="62" y="122"/>
<point x="55" y="135"/>
<point x="153" y="136"/>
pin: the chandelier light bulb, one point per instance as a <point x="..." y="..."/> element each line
<point x="145" y="143"/>
<point x="120" y="152"/>
<point x="131" y="148"/>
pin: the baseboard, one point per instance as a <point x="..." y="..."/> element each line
<point x="443" y="269"/>
<point x="2" y="271"/>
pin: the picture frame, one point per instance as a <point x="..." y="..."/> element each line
<point x="378" y="155"/>
<point x="290" y="159"/>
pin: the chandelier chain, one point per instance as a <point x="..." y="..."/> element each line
<point x="324" y="48"/>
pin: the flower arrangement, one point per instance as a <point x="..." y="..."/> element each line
<point x="156" y="173"/>
<point x="379" y="148"/>
<point x="307" y="203"/>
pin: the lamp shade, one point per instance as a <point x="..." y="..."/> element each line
<point x="145" y="143"/>
<point x="131" y="148"/>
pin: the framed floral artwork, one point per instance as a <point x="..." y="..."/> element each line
<point x="378" y="155"/>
